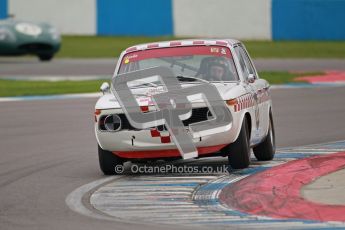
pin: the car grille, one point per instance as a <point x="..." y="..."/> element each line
<point x="198" y="115"/>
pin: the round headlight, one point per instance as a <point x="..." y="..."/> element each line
<point x="112" y="123"/>
<point x="28" y="29"/>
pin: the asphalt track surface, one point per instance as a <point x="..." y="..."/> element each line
<point x="105" y="67"/>
<point x="325" y="185"/>
<point x="48" y="149"/>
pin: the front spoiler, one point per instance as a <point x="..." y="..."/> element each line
<point x="166" y="153"/>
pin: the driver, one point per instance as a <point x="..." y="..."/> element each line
<point x="217" y="70"/>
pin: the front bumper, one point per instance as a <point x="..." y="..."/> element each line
<point x="142" y="144"/>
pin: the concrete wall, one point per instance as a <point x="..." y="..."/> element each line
<point x="69" y="16"/>
<point x="243" y="19"/>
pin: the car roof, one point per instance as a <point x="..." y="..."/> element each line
<point x="184" y="42"/>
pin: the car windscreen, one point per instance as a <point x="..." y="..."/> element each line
<point x="211" y="63"/>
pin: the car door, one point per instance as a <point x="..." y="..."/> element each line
<point x="262" y="93"/>
<point x="255" y="88"/>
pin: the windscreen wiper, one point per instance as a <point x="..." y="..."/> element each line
<point x="191" y="79"/>
<point x="182" y="78"/>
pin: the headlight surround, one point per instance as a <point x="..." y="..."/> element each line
<point x="113" y="123"/>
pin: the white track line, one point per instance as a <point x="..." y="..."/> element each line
<point x="74" y="199"/>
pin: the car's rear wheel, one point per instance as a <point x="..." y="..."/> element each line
<point x="45" y="57"/>
<point x="109" y="163"/>
<point x="265" y="150"/>
<point x="239" y="151"/>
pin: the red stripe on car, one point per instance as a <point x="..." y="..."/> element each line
<point x="221" y="43"/>
<point x="131" y="49"/>
<point x="155" y="45"/>
<point x="165" y="152"/>
<point x="175" y="43"/>
<point x="198" y="42"/>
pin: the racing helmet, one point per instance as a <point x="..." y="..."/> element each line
<point x="221" y="62"/>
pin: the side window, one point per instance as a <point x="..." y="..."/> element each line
<point x="243" y="65"/>
<point x="247" y="60"/>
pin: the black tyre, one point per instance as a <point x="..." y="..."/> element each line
<point x="239" y="151"/>
<point x="45" y="57"/>
<point x="109" y="163"/>
<point x="265" y="150"/>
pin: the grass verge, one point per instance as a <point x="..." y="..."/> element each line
<point x="110" y="47"/>
<point x="279" y="77"/>
<point x="11" y="88"/>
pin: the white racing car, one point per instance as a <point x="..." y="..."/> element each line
<point x="225" y="64"/>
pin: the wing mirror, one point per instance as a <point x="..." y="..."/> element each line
<point x="105" y="87"/>
<point x="251" y="78"/>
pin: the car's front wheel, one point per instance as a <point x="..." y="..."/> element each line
<point x="109" y="163"/>
<point x="45" y="57"/>
<point x="265" y="150"/>
<point x="239" y="151"/>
